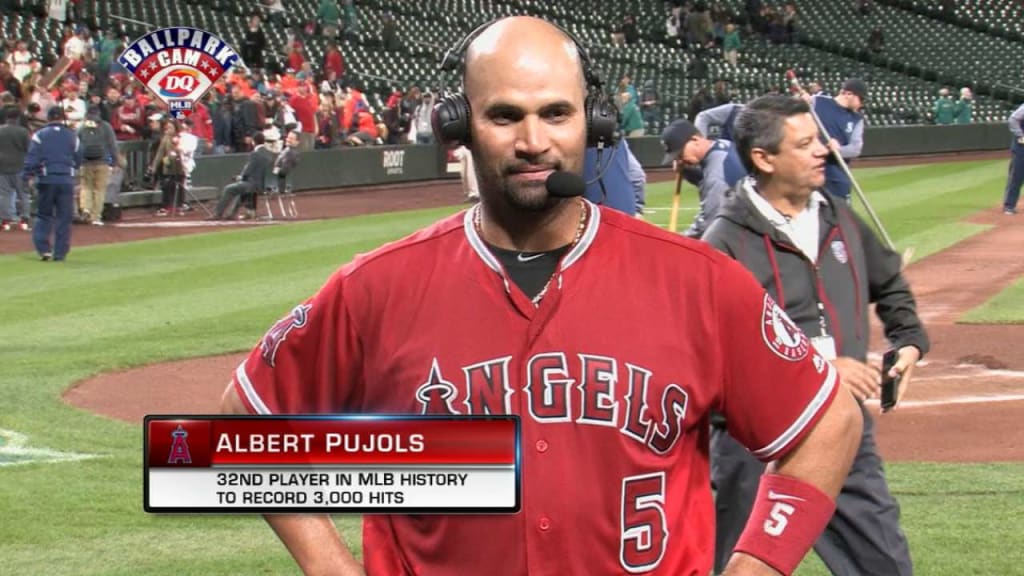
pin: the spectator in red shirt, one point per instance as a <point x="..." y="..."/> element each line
<point x="296" y="57"/>
<point x="127" y="120"/>
<point x="333" y="61"/>
<point x="348" y="114"/>
<point x="305" y="114"/>
<point x="366" y="128"/>
<point x="203" y="126"/>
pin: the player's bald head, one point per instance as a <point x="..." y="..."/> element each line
<point x="523" y="47"/>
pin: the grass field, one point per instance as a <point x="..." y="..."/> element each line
<point x="124" y="305"/>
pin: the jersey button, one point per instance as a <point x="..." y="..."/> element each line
<point x="542" y="446"/>
<point x="544" y="523"/>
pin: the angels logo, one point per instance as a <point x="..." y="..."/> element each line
<point x="780" y="334"/>
<point x="276" y="335"/>
<point x="839" y="251"/>
<point x="179" y="447"/>
<point x="179" y="65"/>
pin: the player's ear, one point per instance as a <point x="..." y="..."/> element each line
<point x="763" y="160"/>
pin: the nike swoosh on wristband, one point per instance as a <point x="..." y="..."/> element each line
<point x="773" y="495"/>
<point x="524" y="258"/>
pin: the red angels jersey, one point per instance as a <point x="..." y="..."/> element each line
<point x="640" y="334"/>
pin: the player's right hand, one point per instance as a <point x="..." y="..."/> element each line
<point x="862" y="380"/>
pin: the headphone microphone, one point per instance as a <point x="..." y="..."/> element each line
<point x="561" y="184"/>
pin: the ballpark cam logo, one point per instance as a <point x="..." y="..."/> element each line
<point x="276" y="335"/>
<point x="782" y="336"/>
<point x="179" y="65"/>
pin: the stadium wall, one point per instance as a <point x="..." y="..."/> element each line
<point x="347" y="167"/>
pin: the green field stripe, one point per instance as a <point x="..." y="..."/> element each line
<point x="938" y="238"/>
<point x="882" y="171"/>
<point x="244" y="276"/>
<point x="110" y="279"/>
<point x="142" y="333"/>
<point x="94" y="266"/>
<point x="882" y="178"/>
<point x="1007" y="307"/>
<point x="916" y="188"/>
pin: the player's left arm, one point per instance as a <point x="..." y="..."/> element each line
<point x="894" y="302"/>
<point x="713" y="187"/>
<point x="797" y="493"/>
<point x="313" y="540"/>
<point x="855" y="146"/>
<point x="782" y="400"/>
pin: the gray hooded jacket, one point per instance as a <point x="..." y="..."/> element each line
<point x="854" y="269"/>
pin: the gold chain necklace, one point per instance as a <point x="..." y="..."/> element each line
<point x="584" y="214"/>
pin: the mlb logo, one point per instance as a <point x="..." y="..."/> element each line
<point x="180" y="108"/>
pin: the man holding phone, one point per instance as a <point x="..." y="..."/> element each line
<point x="825" y="267"/>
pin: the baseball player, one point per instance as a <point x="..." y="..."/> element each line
<point x="1015" y="175"/>
<point x="718" y="122"/>
<point x="614" y="400"/>
<point x="719" y="164"/>
<point x="826" y="267"/>
<point x="842" y="119"/>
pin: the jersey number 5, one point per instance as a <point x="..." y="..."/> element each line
<point x="644" y="529"/>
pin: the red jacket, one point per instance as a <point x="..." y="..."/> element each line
<point x="366" y="123"/>
<point x="203" y="124"/>
<point x="128" y="116"/>
<point x="295" y="61"/>
<point x="304" y="113"/>
<point x="334" y="61"/>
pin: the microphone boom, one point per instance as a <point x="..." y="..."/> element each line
<point x="565" y="185"/>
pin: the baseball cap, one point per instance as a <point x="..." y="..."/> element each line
<point x="55" y="113"/>
<point x="856" y="86"/>
<point x="675" y="136"/>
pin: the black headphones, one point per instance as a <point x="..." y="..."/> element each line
<point x="450" y="118"/>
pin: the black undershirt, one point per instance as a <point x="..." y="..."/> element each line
<point x="532" y="274"/>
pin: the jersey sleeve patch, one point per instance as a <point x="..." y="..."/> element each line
<point x="780" y="334"/>
<point x="271" y="342"/>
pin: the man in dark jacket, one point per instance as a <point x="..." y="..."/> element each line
<point x="825" y="267"/>
<point x="13" y="147"/>
<point x="53" y="158"/>
<point x="250" y="182"/>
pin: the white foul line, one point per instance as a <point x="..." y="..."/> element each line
<point x="955" y="400"/>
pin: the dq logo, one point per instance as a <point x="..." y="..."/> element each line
<point x="179" y="83"/>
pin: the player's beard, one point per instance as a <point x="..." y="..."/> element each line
<point x="498" y="181"/>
